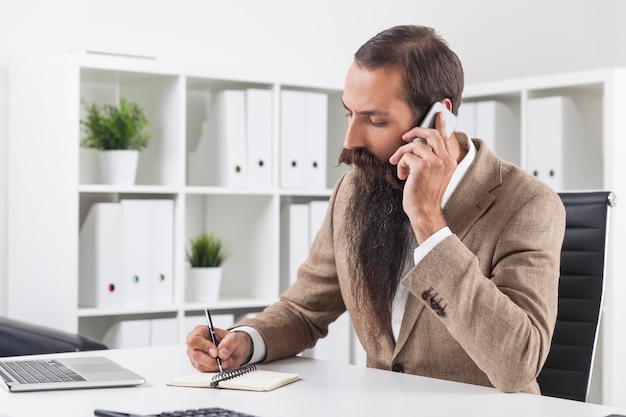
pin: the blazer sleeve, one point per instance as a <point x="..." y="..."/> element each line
<point x="504" y="318"/>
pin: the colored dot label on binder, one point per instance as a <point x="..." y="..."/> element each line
<point x="111" y="287"/>
<point x="135" y="279"/>
<point x="161" y="277"/>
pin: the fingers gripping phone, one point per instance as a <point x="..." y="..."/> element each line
<point x="449" y="117"/>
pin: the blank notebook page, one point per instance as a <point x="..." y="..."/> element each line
<point x="257" y="380"/>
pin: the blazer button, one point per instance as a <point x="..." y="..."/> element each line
<point x="425" y="295"/>
<point x="397" y="367"/>
<point x="434" y="305"/>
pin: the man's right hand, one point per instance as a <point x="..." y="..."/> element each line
<point x="233" y="348"/>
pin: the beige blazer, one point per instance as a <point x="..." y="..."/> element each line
<point x="494" y="283"/>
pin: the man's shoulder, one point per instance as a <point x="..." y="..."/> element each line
<point x="520" y="190"/>
<point x="510" y="173"/>
<point x="509" y="183"/>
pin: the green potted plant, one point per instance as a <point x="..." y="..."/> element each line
<point x="118" y="133"/>
<point x="205" y="256"/>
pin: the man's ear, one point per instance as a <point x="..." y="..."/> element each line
<point x="447" y="103"/>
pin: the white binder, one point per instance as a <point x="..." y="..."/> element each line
<point x="292" y="121"/>
<point x="486" y="121"/>
<point x="497" y="125"/>
<point x="100" y="260"/>
<point x="315" y="140"/>
<point x="259" y="137"/>
<point x="466" y="119"/>
<point x="128" y="334"/>
<point x="317" y="212"/>
<point x="227" y="124"/>
<point x="161" y="239"/>
<point x="561" y="150"/>
<point x="136" y="250"/>
<point x="299" y="240"/>
<point x="303" y="139"/>
<point x="164" y="332"/>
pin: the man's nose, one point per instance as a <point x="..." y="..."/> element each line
<point x="354" y="137"/>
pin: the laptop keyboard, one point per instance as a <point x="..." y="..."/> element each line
<point x="39" y="371"/>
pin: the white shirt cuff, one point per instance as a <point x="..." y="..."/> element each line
<point x="429" y="244"/>
<point x="259" y="350"/>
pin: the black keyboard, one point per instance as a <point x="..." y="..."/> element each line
<point x="192" y="412"/>
<point x="39" y="371"/>
<point x="204" y="412"/>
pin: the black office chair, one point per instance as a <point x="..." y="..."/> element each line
<point x="567" y="371"/>
<point x="21" y="338"/>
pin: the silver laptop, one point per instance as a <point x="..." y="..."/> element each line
<point x="24" y="374"/>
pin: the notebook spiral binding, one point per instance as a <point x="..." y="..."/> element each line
<point x="233" y="373"/>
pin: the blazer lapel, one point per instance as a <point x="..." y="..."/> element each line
<point x="473" y="195"/>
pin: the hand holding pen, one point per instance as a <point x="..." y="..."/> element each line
<point x="213" y="339"/>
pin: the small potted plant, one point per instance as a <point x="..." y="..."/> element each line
<point x="117" y="132"/>
<point x="205" y="256"/>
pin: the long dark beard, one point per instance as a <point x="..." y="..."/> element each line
<point x="378" y="236"/>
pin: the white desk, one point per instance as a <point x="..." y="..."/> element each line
<point x="327" y="389"/>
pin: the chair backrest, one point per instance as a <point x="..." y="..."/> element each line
<point x="567" y="371"/>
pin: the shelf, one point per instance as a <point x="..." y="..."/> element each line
<point x="207" y="190"/>
<point x="230" y="303"/>
<point x="125" y="311"/>
<point x="305" y="193"/>
<point x="221" y="305"/>
<point x="177" y="103"/>
<point x="133" y="189"/>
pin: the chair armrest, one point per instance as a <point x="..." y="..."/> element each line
<point x="21" y="338"/>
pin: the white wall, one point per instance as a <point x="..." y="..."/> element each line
<point x="4" y="32"/>
<point x="308" y="41"/>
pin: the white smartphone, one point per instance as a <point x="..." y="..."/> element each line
<point x="450" y="118"/>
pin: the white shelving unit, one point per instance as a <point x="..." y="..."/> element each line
<point x="54" y="182"/>
<point x="599" y="97"/>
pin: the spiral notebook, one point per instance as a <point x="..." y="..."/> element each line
<point x="246" y="377"/>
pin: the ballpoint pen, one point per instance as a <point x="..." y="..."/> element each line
<point x="212" y="331"/>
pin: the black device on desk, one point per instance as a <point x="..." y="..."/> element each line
<point x="194" y="412"/>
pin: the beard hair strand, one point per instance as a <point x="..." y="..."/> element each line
<point x="378" y="236"/>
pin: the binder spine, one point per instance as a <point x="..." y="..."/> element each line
<point x="233" y="373"/>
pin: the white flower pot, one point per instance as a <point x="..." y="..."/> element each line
<point x="203" y="284"/>
<point x="119" y="167"/>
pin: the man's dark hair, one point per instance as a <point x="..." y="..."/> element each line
<point x="431" y="71"/>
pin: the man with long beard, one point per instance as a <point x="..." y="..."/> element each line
<point x="445" y="256"/>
